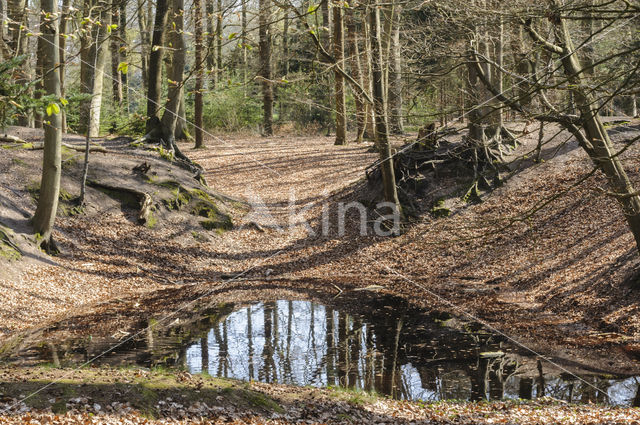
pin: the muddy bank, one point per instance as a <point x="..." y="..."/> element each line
<point x="99" y="395"/>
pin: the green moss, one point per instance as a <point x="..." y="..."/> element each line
<point x="27" y="146"/>
<point x="439" y="210"/>
<point x="163" y="153"/>
<point x="151" y="221"/>
<point x="262" y="401"/>
<point x="8" y="252"/>
<point x="64" y="195"/>
<point x="18" y="161"/>
<point x="199" y="236"/>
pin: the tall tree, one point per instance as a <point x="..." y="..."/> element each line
<point x="382" y="134"/>
<point x="175" y="75"/>
<point x="219" y="15"/>
<point x="17" y="30"/>
<point x="97" y="17"/>
<point x="338" y="53"/>
<point x="264" y="33"/>
<point x="155" y="59"/>
<point x="117" y="47"/>
<point x="211" y="64"/>
<point x="243" y="38"/>
<point x="395" y="76"/>
<point x="144" y="18"/>
<point x="198" y="102"/>
<point x="356" y="70"/>
<point x="64" y="19"/>
<point x="45" y="214"/>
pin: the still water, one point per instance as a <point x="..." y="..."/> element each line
<point x="376" y="344"/>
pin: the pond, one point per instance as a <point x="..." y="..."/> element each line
<point x="377" y="344"/>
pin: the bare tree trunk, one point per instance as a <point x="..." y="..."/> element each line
<point x="210" y="44"/>
<point x="155" y="59"/>
<point x="198" y="103"/>
<point x="45" y="214"/>
<point x="356" y="70"/>
<point x="116" y="79"/>
<point x="285" y="42"/>
<point x="37" y="113"/>
<point x="499" y="77"/>
<point x="17" y="30"/>
<point x="338" y="53"/>
<point x="265" y="65"/>
<point x="175" y="74"/>
<point x="243" y="36"/>
<point x="382" y="138"/>
<point x="94" y="51"/>
<point x="367" y="73"/>
<point x="395" y="77"/>
<point x="601" y="150"/>
<point x="181" y="132"/>
<point x="143" y="27"/>
<point x="62" y="41"/>
<point x="218" y="70"/>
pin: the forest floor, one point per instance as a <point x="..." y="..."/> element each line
<point x="546" y="258"/>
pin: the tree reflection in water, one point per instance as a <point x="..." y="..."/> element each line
<point x="379" y="344"/>
<point x="385" y="349"/>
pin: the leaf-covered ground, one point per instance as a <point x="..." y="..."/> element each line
<point x="547" y="258"/>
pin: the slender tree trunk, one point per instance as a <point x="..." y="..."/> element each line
<point x="116" y="79"/>
<point x="338" y="53"/>
<point x="218" y="71"/>
<point x="175" y="74"/>
<point x="382" y="138"/>
<point x="45" y="214"/>
<point x="243" y="37"/>
<point x="143" y="27"/>
<point x="198" y="103"/>
<point x="356" y="70"/>
<point x="210" y="45"/>
<point x="395" y="77"/>
<point x="62" y="42"/>
<point x="367" y="73"/>
<point x="285" y="42"/>
<point x="155" y="58"/>
<point x="17" y="30"/>
<point x="601" y="150"/>
<point x="324" y="9"/>
<point x="92" y="77"/>
<point x="265" y="65"/>
<point x="122" y="33"/>
<point x="499" y="76"/>
<point x="38" y="113"/>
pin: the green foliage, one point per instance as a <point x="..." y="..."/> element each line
<point x="14" y="98"/>
<point x="305" y="100"/>
<point x="75" y="99"/>
<point x="226" y="108"/>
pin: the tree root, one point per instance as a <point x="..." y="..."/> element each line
<point x="144" y="200"/>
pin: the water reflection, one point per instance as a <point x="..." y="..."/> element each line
<point x="302" y="343"/>
<point x="382" y="344"/>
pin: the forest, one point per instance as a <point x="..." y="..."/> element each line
<point x="319" y="211"/>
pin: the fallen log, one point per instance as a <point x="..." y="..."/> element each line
<point x="11" y="139"/>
